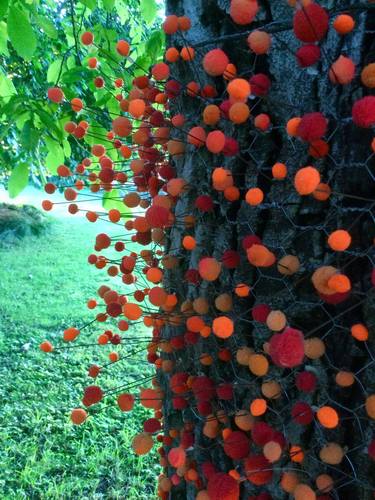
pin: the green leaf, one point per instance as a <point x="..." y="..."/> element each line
<point x="3" y="8"/>
<point x="47" y="26"/>
<point x="141" y="64"/>
<point x="79" y="73"/>
<point x="108" y="4"/>
<point x="21" y="33"/>
<point x="22" y="117"/>
<point x="29" y="136"/>
<point x="18" y="179"/>
<point x="55" y="156"/>
<point x="48" y="120"/>
<point x="113" y="199"/>
<point x="149" y="10"/>
<point x="155" y="43"/>
<point x="91" y="4"/>
<point x="54" y="70"/>
<point x="7" y="89"/>
<point x="122" y="11"/>
<point x="3" y="39"/>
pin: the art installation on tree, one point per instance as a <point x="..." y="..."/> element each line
<point x="240" y="176"/>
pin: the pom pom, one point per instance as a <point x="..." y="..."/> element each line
<point x="243" y="11"/>
<point x="176" y="457"/>
<point x="310" y="23"/>
<point x="221" y="486"/>
<point x="260" y="312"/>
<point x="230" y="259"/>
<point x="306" y="180"/>
<point x="342" y="71"/>
<point x="55" y="94"/>
<point x="287" y="348"/>
<point x="215" y="141"/>
<point x="260" y="84"/>
<point x="204" y="203"/>
<point x="312" y="126"/>
<point x="343" y="24"/>
<point x="302" y="413"/>
<point x="259" y="42"/>
<point x="306" y="381"/>
<point x="215" y="62"/>
<point x="237" y="445"/>
<point x="363" y="112"/>
<point x="368" y="76"/>
<point x="258" y="469"/>
<point x="92" y="395"/>
<point x="308" y="55"/>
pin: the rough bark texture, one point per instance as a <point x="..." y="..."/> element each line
<point x="287" y="223"/>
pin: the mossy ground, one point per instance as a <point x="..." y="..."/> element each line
<point x="44" y="284"/>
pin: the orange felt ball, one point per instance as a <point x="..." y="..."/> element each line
<point x="259" y="42"/>
<point x="239" y="89"/>
<point x="254" y="196"/>
<point x="306" y="180"/>
<point x="339" y="240"/>
<point x="223" y="327"/>
<point x="343" y="24"/>
<point x="279" y="171"/>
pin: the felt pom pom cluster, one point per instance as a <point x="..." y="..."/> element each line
<point x="241" y="171"/>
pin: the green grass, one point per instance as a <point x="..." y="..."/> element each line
<point x="44" y="285"/>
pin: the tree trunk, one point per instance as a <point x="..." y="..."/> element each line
<point x="287" y="223"/>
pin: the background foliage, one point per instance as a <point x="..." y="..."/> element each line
<point x="40" y="48"/>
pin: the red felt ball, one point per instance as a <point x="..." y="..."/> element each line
<point x="262" y="433"/>
<point x="177" y="342"/>
<point x="335" y="298"/>
<point x="204" y="203"/>
<point x="221" y="486"/>
<point x="93" y="394"/>
<point x="204" y="408"/>
<point x="151" y="425"/>
<point x="208" y="469"/>
<point x="191" y="338"/>
<point x="187" y="439"/>
<point x="287" y="348"/>
<point x="55" y="94"/>
<point x="302" y="413"/>
<point x="177" y="457"/>
<point x="225" y="391"/>
<point x="250" y="240"/>
<point x="172" y="89"/>
<point x="225" y="107"/>
<point x="312" y="126"/>
<point x="237" y="445"/>
<point x="192" y="276"/>
<point x="179" y="403"/>
<point x="260" y="312"/>
<point x="203" y="388"/>
<point x="262" y="496"/>
<point x="310" y="24"/>
<point x="215" y="62"/>
<point x="307" y="55"/>
<point x="260" y="84"/>
<point x="231" y="147"/>
<point x="371" y="449"/>
<point x="230" y="259"/>
<point x="306" y="381"/>
<point x="157" y="216"/>
<point x="258" y="469"/>
<point x="177" y="383"/>
<point x="363" y="112"/>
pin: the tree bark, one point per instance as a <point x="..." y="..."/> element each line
<point x="287" y="223"/>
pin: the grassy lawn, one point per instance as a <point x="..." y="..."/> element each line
<point x="44" y="285"/>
